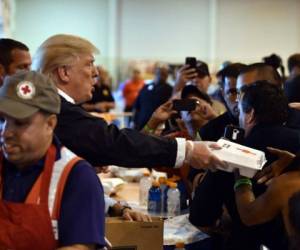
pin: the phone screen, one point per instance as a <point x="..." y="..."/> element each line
<point x="191" y="61"/>
<point x="184" y="104"/>
<point x="234" y="134"/>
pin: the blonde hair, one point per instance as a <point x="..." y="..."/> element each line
<point x="60" y="50"/>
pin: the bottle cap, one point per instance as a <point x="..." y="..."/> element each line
<point x="179" y="244"/>
<point x="146" y="174"/>
<point x="172" y="184"/>
<point x="175" y="178"/>
<point x="162" y="180"/>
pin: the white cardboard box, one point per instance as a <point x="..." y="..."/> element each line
<point x="247" y="160"/>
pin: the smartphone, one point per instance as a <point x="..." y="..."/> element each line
<point x="191" y="61"/>
<point x="234" y="134"/>
<point x="184" y="104"/>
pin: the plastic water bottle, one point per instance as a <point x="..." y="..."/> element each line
<point x="173" y="201"/>
<point x="145" y="185"/>
<point x="164" y="189"/>
<point x="154" y="198"/>
<point x="179" y="246"/>
<point x="184" y="197"/>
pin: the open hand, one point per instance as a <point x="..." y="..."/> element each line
<point x="133" y="215"/>
<point x="200" y="156"/>
<point x="276" y="168"/>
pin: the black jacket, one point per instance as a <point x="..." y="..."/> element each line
<point x="149" y="99"/>
<point x="101" y="144"/>
<point x="216" y="190"/>
<point x="214" y="129"/>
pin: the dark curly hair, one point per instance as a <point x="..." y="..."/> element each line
<point x="267" y="100"/>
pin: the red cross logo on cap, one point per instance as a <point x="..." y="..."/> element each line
<point x="25" y="90"/>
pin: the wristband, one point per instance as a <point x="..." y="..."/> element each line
<point x="123" y="209"/>
<point x="242" y="182"/>
<point x="148" y="129"/>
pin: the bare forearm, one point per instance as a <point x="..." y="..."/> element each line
<point x="151" y="126"/>
<point x="244" y="199"/>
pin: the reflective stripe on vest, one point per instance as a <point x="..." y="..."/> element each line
<point x="58" y="169"/>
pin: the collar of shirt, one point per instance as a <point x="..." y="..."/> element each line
<point x="66" y="96"/>
<point x="18" y="183"/>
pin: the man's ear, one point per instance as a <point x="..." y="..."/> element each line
<point x="251" y="117"/>
<point x="63" y="74"/>
<point x="51" y="122"/>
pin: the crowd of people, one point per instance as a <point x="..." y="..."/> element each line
<point x="51" y="146"/>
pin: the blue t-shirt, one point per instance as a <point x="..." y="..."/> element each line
<point x="82" y="209"/>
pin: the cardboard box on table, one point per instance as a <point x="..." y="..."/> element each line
<point x="133" y="235"/>
<point x="247" y="160"/>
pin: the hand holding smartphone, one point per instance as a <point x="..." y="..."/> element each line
<point x="191" y="61"/>
<point x="184" y="104"/>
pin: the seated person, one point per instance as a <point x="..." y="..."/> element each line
<point x="189" y="122"/>
<point x="187" y="127"/>
<point x="50" y="198"/>
<point x="214" y="130"/>
<point x="287" y="162"/>
<point x="203" y="113"/>
<point x="263" y="110"/>
<point x="102" y="100"/>
<point x="277" y="198"/>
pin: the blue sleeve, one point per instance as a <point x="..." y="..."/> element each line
<point x="82" y="209"/>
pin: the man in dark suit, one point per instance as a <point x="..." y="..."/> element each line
<point x="68" y="60"/>
<point x="263" y="110"/>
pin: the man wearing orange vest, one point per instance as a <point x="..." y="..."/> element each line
<point x="49" y="198"/>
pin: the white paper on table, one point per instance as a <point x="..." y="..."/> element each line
<point x="180" y="229"/>
<point x="112" y="185"/>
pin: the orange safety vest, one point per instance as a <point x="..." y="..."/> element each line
<point x="33" y="224"/>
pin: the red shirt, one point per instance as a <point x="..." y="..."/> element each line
<point x="131" y="91"/>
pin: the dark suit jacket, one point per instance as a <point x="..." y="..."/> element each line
<point x="101" y="144"/>
<point x="216" y="190"/>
